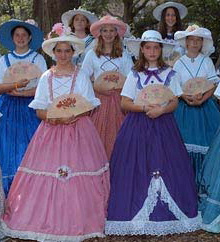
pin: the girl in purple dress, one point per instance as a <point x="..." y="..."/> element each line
<point x="152" y="182"/>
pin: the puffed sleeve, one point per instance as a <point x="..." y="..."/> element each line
<point x="41" y="63"/>
<point x="217" y="91"/>
<point x="127" y="63"/>
<point x="87" y="65"/>
<point x="41" y="99"/>
<point x="84" y="87"/>
<point x="130" y="87"/>
<point x="211" y="72"/>
<point x="174" y="84"/>
<point x="3" y="68"/>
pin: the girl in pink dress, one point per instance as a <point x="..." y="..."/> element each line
<point x="61" y="189"/>
<point x="107" y="56"/>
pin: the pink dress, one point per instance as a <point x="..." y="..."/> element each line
<point x="61" y="189"/>
<point x="109" y="116"/>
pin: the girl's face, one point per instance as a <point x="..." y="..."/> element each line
<point x="21" y="38"/>
<point x="151" y="51"/>
<point x="194" y="44"/>
<point x="63" y="53"/>
<point x="80" y="22"/>
<point x="108" y="33"/>
<point x="170" y="17"/>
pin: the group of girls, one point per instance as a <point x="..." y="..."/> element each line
<point x="60" y="166"/>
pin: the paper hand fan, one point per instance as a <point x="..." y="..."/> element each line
<point x="197" y="85"/>
<point x="154" y="94"/>
<point x="23" y="70"/>
<point x="67" y="105"/>
<point x="109" y="80"/>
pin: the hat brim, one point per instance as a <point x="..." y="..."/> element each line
<point x="6" y="37"/>
<point x="181" y="36"/>
<point x="133" y="45"/>
<point x="77" y="44"/>
<point x="67" y="16"/>
<point x="96" y="27"/>
<point x="180" y="7"/>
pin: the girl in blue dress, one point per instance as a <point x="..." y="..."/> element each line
<point x="197" y="116"/>
<point x="209" y="190"/>
<point x="18" y="122"/>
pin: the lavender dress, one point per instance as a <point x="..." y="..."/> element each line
<point x="152" y="181"/>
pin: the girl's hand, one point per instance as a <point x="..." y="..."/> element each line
<point x="22" y="83"/>
<point x="154" y="111"/>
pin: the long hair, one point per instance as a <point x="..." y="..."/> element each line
<point x="117" y="48"/>
<point x="142" y="63"/>
<point x="87" y="30"/>
<point x="163" y="26"/>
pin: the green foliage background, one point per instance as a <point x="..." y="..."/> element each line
<point x="137" y="13"/>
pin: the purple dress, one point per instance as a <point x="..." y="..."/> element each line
<point x="152" y="181"/>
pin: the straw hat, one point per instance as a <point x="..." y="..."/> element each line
<point x="61" y="33"/>
<point x="159" y="9"/>
<point x="133" y="45"/>
<point x="68" y="16"/>
<point x="96" y="27"/>
<point x="195" y="30"/>
<point x="6" y="37"/>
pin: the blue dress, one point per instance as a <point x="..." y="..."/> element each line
<point x="197" y="124"/>
<point x="209" y="189"/>
<point x="18" y="123"/>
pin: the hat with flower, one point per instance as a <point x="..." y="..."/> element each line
<point x="61" y="33"/>
<point x="179" y="6"/>
<point x="195" y="30"/>
<point x="96" y="27"/>
<point x="133" y="45"/>
<point x="68" y="16"/>
<point x="6" y="38"/>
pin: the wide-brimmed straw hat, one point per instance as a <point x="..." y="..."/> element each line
<point x="68" y="16"/>
<point x="195" y="30"/>
<point x="159" y="9"/>
<point x="61" y="33"/>
<point x="133" y="45"/>
<point x="96" y="27"/>
<point x="6" y="37"/>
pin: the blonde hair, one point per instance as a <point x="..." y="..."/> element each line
<point x="116" y="51"/>
<point x="142" y="62"/>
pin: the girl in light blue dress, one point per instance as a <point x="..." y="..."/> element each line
<point x="197" y="116"/>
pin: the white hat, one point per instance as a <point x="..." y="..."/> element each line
<point x="180" y="7"/>
<point x="60" y="33"/>
<point x="195" y="30"/>
<point x="67" y="16"/>
<point x="133" y="45"/>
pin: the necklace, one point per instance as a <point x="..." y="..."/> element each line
<point x="22" y="56"/>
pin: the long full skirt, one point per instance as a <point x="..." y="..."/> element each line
<point x="17" y="125"/>
<point x="152" y="181"/>
<point x="61" y="189"/>
<point x="198" y="125"/>
<point x="209" y="190"/>
<point x="108" y="118"/>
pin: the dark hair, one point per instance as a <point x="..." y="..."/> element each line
<point x="163" y="26"/>
<point x="117" y="48"/>
<point x="142" y="63"/>
<point x="87" y="30"/>
<point x="20" y="26"/>
<point x="61" y="42"/>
